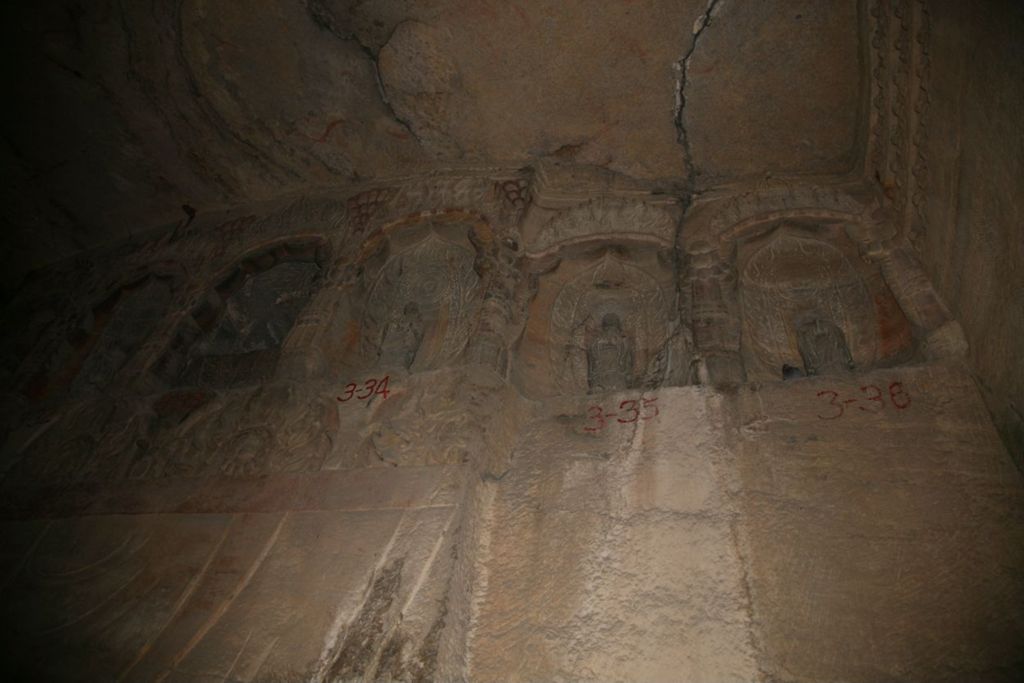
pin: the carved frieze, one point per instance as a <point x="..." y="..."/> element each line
<point x="900" y="84"/>
<point x="420" y="304"/>
<point x="412" y="302"/>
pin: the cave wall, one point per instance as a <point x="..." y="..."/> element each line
<point x="125" y="117"/>
<point x="694" y="389"/>
<point x="973" y="242"/>
<point x="507" y="425"/>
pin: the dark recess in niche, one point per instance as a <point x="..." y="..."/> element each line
<point x="235" y="334"/>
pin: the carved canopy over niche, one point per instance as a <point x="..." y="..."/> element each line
<point x="603" y="321"/>
<point x="801" y="287"/>
<point x="415" y="302"/>
<point x="643" y="222"/>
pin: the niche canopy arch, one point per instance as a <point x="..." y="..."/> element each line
<point x="605" y="312"/>
<point x="234" y="335"/>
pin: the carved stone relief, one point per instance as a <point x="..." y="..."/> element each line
<point x="503" y="310"/>
<point x="420" y="300"/>
<point x="465" y="318"/>
<point x="611" y="219"/>
<point x="939" y="334"/>
<point x="822" y="346"/>
<point x="608" y="324"/>
<point x="435" y="417"/>
<point x="710" y="282"/>
<point x="87" y="441"/>
<point x="83" y="350"/>
<point x="809" y="302"/>
<point x="137" y="313"/>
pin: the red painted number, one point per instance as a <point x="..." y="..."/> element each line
<point x="629" y="406"/>
<point x="649" y="403"/>
<point x="877" y="398"/>
<point x="896" y="389"/>
<point x="631" y="410"/>
<point x="368" y="388"/>
<point x="349" y="390"/>
<point x="595" y="413"/>
<point x="382" y="387"/>
<point x="873" y="396"/>
<point x="832" y="402"/>
<point x="371" y="388"/>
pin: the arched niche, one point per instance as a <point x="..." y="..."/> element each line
<point x="810" y="305"/>
<point x="85" y="356"/>
<point x="416" y="298"/>
<point x="603" y="319"/>
<point x="235" y="334"/>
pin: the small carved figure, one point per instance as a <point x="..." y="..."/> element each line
<point x="610" y="357"/>
<point x="401" y="339"/>
<point x="823" y="347"/>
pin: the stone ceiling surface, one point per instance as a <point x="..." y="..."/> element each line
<point x="122" y="112"/>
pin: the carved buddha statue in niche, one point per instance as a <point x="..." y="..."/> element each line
<point x="610" y="357"/>
<point x="823" y="347"/>
<point x="401" y="338"/>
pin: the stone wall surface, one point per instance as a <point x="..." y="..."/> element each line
<point x="973" y="244"/>
<point x="126" y="118"/>
<point x="450" y="376"/>
<point x="673" y="534"/>
<point x="884" y="525"/>
<point x="613" y="553"/>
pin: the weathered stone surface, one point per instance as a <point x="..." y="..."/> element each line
<point x="969" y="189"/>
<point x="884" y="525"/>
<point x="773" y="88"/>
<point x="126" y="113"/>
<point x="607" y="412"/>
<point x="612" y="553"/>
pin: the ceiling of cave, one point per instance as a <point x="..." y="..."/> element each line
<point x="119" y="112"/>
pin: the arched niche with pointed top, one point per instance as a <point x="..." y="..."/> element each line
<point x="604" y="317"/>
<point x="810" y="304"/>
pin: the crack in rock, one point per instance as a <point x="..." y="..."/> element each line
<point x="324" y="18"/>
<point x="682" y="67"/>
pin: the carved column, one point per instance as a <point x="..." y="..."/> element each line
<point x="489" y="343"/>
<point x="716" y="324"/>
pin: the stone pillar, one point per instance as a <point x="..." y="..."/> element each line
<point x="716" y="325"/>
<point x="488" y="346"/>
